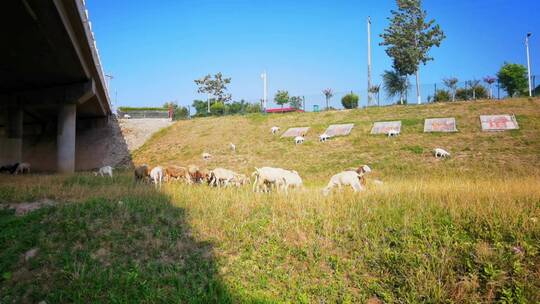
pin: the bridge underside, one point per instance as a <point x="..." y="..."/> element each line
<point x="51" y="83"/>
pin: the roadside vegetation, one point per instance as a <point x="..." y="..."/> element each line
<point x="464" y="230"/>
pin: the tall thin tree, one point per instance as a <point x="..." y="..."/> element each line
<point x="409" y="38"/>
<point x="328" y="93"/>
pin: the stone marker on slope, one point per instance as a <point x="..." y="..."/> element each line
<point x="293" y="132"/>
<point x="339" y="130"/>
<point x="498" y="122"/>
<point x="440" y="125"/>
<point x="383" y="127"/>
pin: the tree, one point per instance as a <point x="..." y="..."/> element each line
<point x="473" y="84"/>
<point x="395" y="84"/>
<point x="328" y="93"/>
<point x="170" y="104"/>
<point x="441" y="95"/>
<point x="490" y="80"/>
<point x="513" y="78"/>
<point x="281" y="97"/>
<point x="296" y="102"/>
<point x="201" y="108"/>
<point x="451" y="84"/>
<point x="375" y="89"/>
<point x="409" y="39"/>
<point x="216" y="87"/>
<point x="350" y="101"/>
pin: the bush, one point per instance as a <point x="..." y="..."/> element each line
<point x="480" y="92"/>
<point x="217" y="108"/>
<point x="181" y="113"/>
<point x="350" y="101"/>
<point x="442" y="95"/>
<point x="462" y="94"/>
<point x="253" y="108"/>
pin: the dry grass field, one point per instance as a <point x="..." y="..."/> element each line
<point x="462" y="230"/>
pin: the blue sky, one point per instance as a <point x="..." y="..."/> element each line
<point x="155" y="49"/>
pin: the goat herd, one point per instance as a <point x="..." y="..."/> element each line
<point x="265" y="178"/>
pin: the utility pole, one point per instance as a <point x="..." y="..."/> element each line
<point x="528" y="62"/>
<point x="109" y="78"/>
<point x="369" y="59"/>
<point x="264" y="77"/>
<point x="208" y="101"/>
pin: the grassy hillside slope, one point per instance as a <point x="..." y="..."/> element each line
<point x="463" y="230"/>
<point x="474" y="152"/>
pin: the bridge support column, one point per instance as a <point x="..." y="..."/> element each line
<point x="67" y="117"/>
<point x="11" y="147"/>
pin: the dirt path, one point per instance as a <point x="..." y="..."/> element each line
<point x="137" y="131"/>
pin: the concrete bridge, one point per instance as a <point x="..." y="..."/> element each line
<point x="52" y="86"/>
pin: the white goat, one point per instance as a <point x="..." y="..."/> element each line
<point x="22" y="168"/>
<point x="232" y="146"/>
<point x="393" y="133"/>
<point x="206" y="156"/>
<point x="127" y="116"/>
<point x="324" y="137"/>
<point x="292" y="179"/>
<point x="103" y="171"/>
<point x="156" y="175"/>
<point x="220" y="176"/>
<point x="345" y="178"/>
<point x="265" y="177"/>
<point x="274" y="130"/>
<point x="441" y="153"/>
<point x="299" y="140"/>
<point x="240" y="180"/>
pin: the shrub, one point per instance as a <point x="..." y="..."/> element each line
<point x="181" y="113"/>
<point x="480" y="92"/>
<point x="217" y="108"/>
<point x="350" y="101"/>
<point x="442" y="95"/>
<point x="253" y="108"/>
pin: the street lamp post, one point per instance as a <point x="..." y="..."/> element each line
<point x="265" y="89"/>
<point x="528" y="62"/>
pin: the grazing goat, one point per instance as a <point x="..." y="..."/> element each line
<point x="283" y="179"/>
<point x="9" y="168"/>
<point x="265" y="177"/>
<point x="221" y="177"/>
<point x="291" y="179"/>
<point x="22" y="168"/>
<point x="441" y="153"/>
<point x="393" y="133"/>
<point x="232" y="146"/>
<point x="176" y="173"/>
<point x="103" y="171"/>
<point x="156" y="175"/>
<point x="240" y="180"/>
<point x="141" y="173"/>
<point x="346" y="178"/>
<point x="197" y="175"/>
<point x="299" y="140"/>
<point x="324" y="137"/>
<point x="206" y="156"/>
<point x="274" y="130"/>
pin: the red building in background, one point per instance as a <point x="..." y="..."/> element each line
<point x="283" y="110"/>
